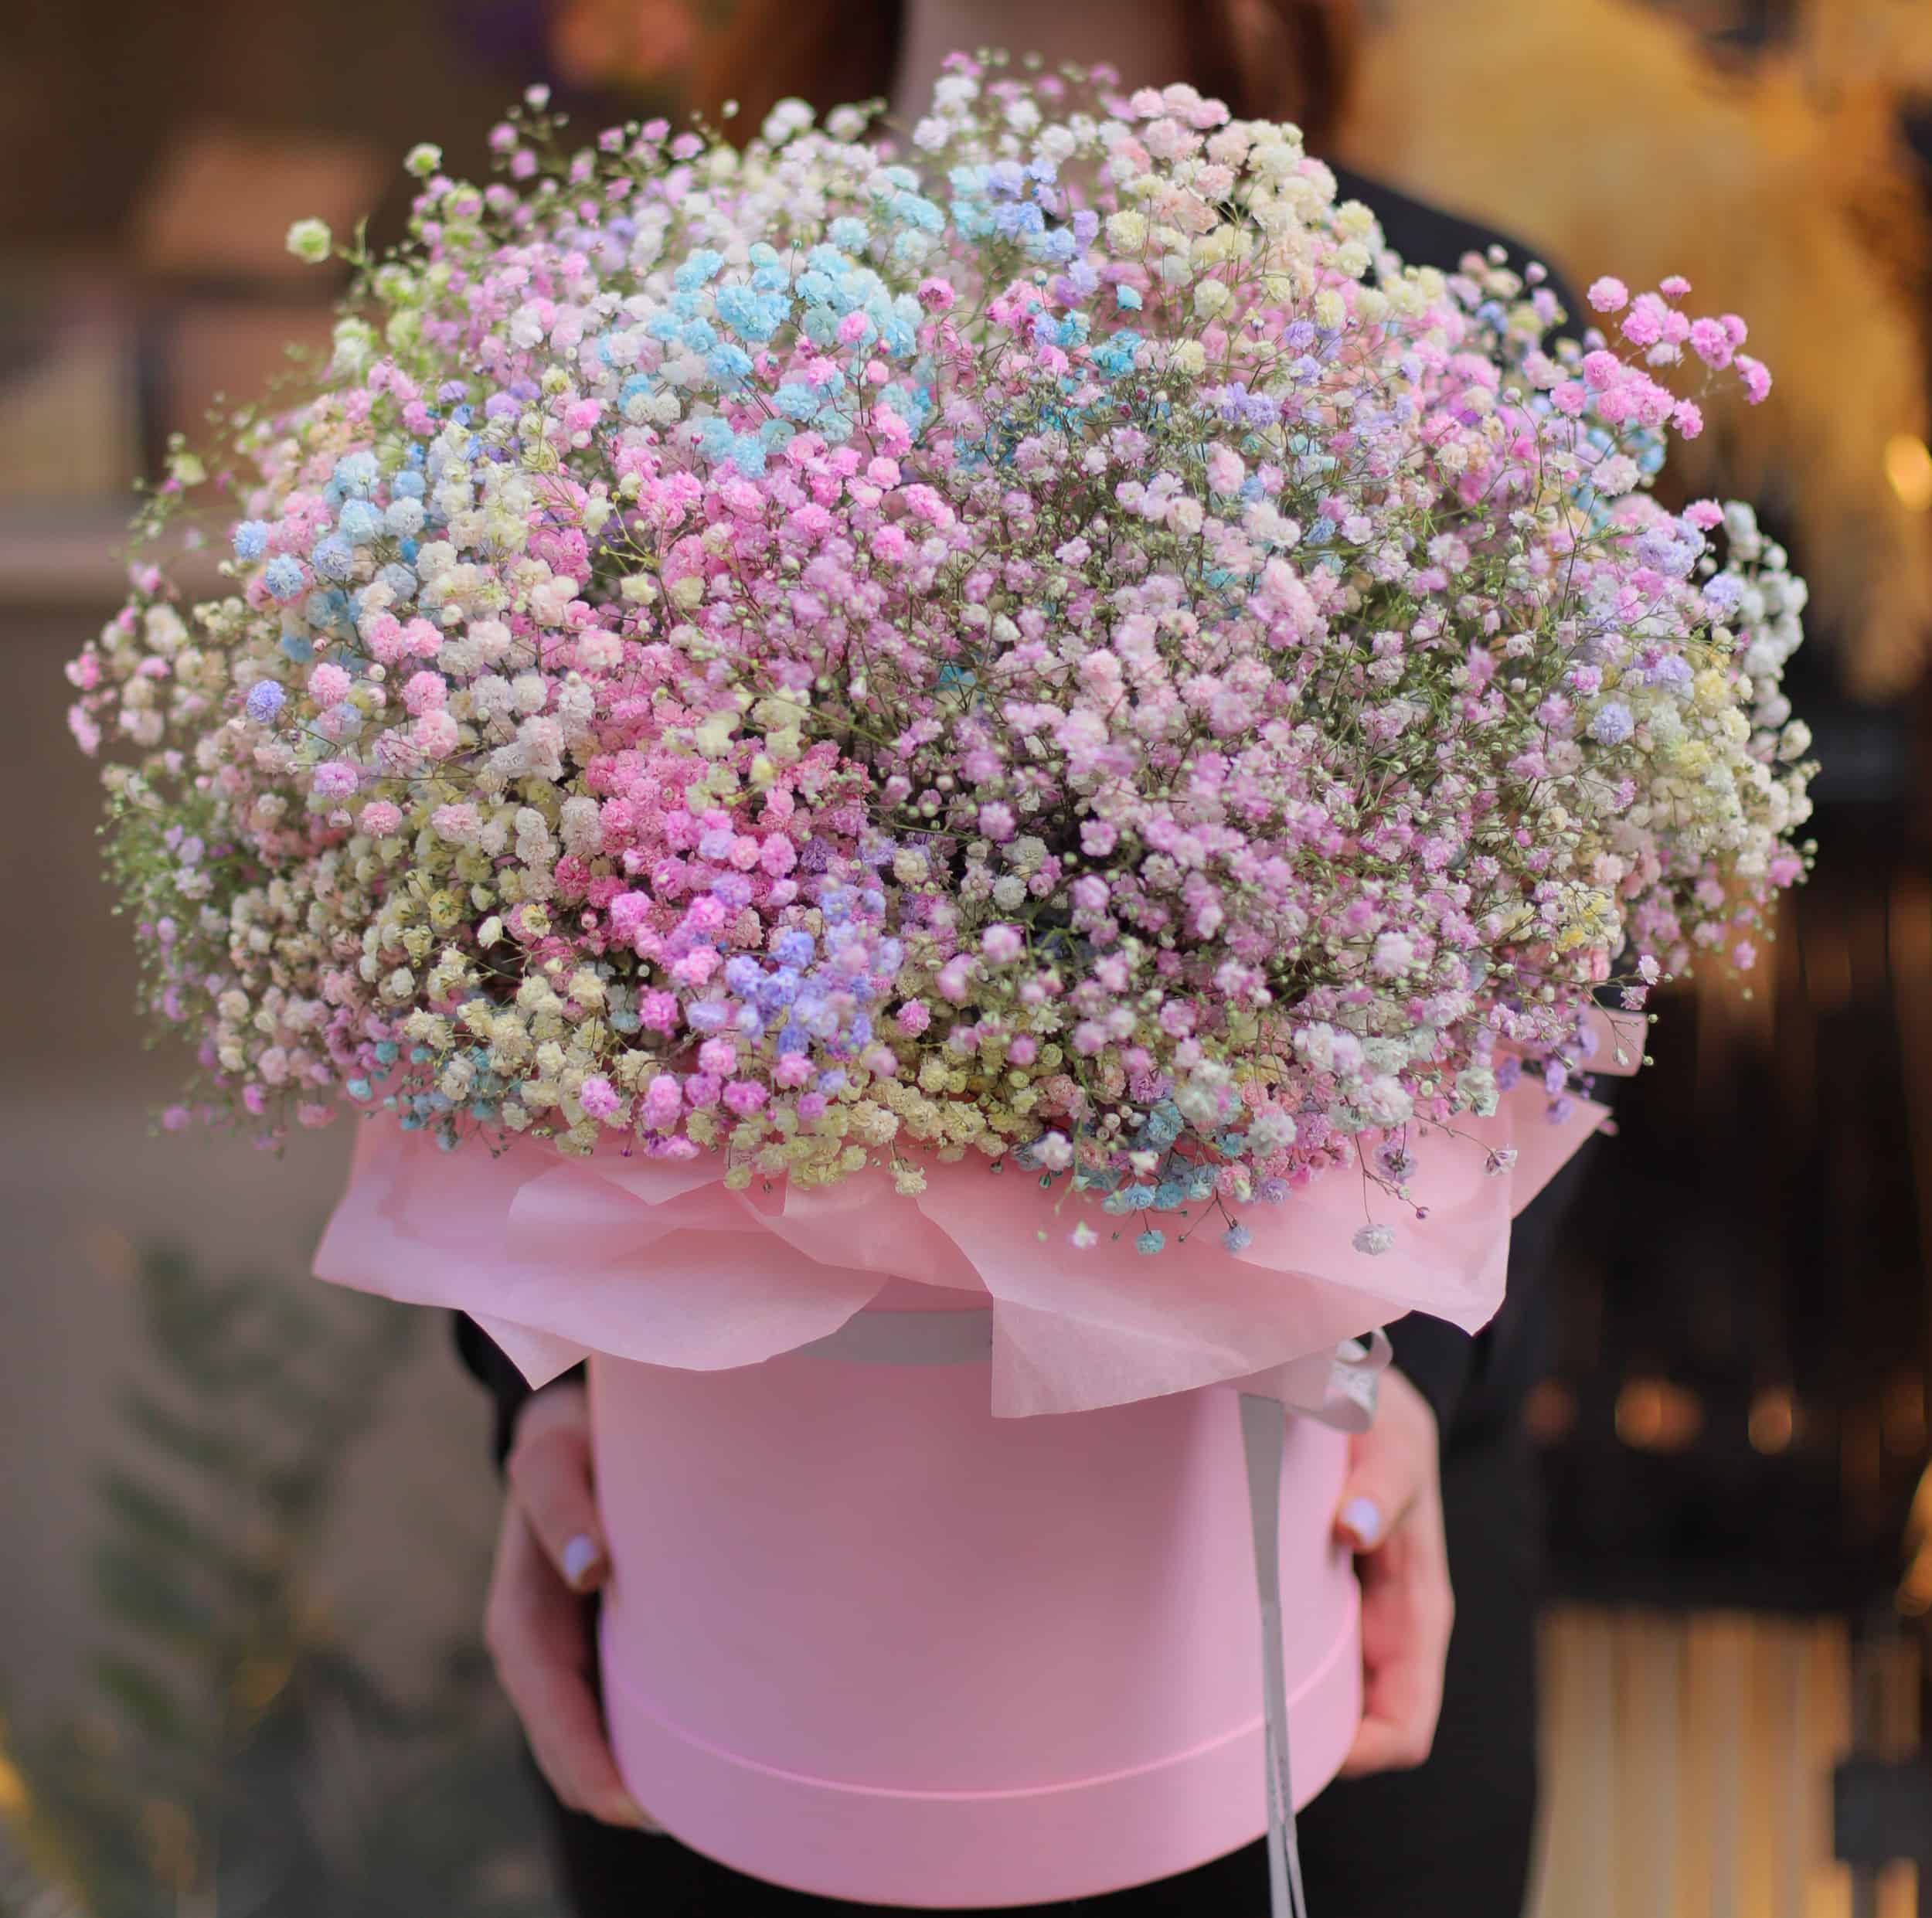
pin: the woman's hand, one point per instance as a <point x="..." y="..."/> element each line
<point x="1392" y="1516"/>
<point x="550" y="1556"/>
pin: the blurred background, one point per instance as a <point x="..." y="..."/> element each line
<point x="245" y="1526"/>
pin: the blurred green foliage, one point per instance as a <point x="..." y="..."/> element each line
<point x="238" y="1759"/>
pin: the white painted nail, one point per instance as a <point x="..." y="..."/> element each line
<point x="1362" y="1516"/>
<point x="578" y="1556"/>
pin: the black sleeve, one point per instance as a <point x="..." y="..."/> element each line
<point x="1435" y="1357"/>
<point x="1475" y="1384"/>
<point x="507" y="1386"/>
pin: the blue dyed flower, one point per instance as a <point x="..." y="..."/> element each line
<point x="1114" y="357"/>
<point x="1018" y="219"/>
<point x="795" y="400"/>
<point x="775" y="991"/>
<point x="1237" y="1238"/>
<point x="265" y="698"/>
<point x="1150" y="1241"/>
<point x="702" y="266"/>
<point x="359" y="522"/>
<point x="251" y="537"/>
<point x="971" y="219"/>
<point x="357" y="472"/>
<point x="729" y="365"/>
<point x="283" y="577"/>
<point x="333" y="557"/>
<point x="916" y="211"/>
<point x="325" y="606"/>
<point x="1612" y="723"/>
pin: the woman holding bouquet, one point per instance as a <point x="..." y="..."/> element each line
<point x="912" y="786"/>
<point x="917" y="786"/>
<point x="1433" y="1811"/>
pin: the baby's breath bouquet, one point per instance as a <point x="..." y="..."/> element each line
<point x="1045" y="642"/>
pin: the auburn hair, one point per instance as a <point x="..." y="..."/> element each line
<point x="1275" y="59"/>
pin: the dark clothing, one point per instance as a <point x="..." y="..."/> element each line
<point x="1452" y="1836"/>
<point x="508" y="1387"/>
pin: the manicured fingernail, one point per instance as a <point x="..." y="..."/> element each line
<point x="579" y="1556"/>
<point x="629" y="1812"/>
<point x="1363" y="1517"/>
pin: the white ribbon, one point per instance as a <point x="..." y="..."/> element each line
<point x="1262" y="1422"/>
<point x="1336" y="1390"/>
